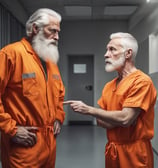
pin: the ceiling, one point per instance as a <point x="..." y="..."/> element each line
<point x="82" y="9"/>
<point x="86" y="9"/>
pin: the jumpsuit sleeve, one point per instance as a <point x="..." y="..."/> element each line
<point x="7" y="124"/>
<point x="142" y="94"/>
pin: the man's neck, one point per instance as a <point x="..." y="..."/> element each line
<point x="125" y="73"/>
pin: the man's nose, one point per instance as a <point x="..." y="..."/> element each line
<point x="106" y="55"/>
<point x="56" y="36"/>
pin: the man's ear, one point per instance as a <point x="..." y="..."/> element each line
<point x="129" y="53"/>
<point x="35" y="28"/>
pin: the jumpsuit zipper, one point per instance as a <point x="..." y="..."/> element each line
<point x="44" y="70"/>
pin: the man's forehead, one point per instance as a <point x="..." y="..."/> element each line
<point x="54" y="20"/>
<point x="115" y="42"/>
<point x="54" y="23"/>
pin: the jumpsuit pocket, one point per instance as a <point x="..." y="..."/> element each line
<point x="29" y="84"/>
<point x="139" y="155"/>
<point x="57" y="88"/>
<point x="142" y="154"/>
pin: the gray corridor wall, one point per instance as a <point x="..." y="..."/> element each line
<point x="10" y="29"/>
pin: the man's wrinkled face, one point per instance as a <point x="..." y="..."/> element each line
<point x="45" y="42"/>
<point x="114" y="56"/>
<point x="51" y="30"/>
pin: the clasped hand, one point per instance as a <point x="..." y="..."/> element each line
<point x="25" y="136"/>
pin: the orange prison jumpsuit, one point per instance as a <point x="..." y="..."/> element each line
<point x="130" y="147"/>
<point x="28" y="99"/>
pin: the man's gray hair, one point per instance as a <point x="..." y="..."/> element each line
<point x="40" y="18"/>
<point x="127" y="42"/>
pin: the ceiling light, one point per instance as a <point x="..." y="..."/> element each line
<point x="119" y="10"/>
<point x="78" y="10"/>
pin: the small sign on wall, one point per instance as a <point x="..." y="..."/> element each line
<point x="79" y="68"/>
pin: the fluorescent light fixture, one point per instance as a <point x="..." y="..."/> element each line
<point x="119" y="10"/>
<point x="78" y="10"/>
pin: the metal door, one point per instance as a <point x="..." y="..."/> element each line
<point x="80" y="85"/>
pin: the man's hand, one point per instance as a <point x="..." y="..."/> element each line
<point x="78" y="106"/>
<point x="25" y="136"/>
<point x="57" y="127"/>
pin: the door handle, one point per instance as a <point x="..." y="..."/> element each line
<point x="89" y="87"/>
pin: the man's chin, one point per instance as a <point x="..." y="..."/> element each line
<point x="53" y="59"/>
<point x="109" y="69"/>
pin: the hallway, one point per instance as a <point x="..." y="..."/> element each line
<point x="81" y="147"/>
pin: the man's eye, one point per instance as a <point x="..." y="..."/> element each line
<point x="53" y="31"/>
<point x="112" y="49"/>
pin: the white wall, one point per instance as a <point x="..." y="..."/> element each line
<point x="146" y="26"/>
<point x="141" y="31"/>
<point x="153" y="52"/>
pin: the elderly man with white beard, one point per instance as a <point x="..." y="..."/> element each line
<point x="126" y="107"/>
<point x="31" y="94"/>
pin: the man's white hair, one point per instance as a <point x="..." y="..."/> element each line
<point x="40" y="18"/>
<point x="127" y="42"/>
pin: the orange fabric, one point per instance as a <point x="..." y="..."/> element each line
<point x="28" y="99"/>
<point x="136" y="90"/>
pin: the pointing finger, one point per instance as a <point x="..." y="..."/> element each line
<point x="67" y="102"/>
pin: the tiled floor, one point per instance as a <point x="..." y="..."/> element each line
<point x="81" y="147"/>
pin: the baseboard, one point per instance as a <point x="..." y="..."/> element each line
<point x="80" y="122"/>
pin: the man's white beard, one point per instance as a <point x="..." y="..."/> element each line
<point x="46" y="49"/>
<point x="115" y="64"/>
